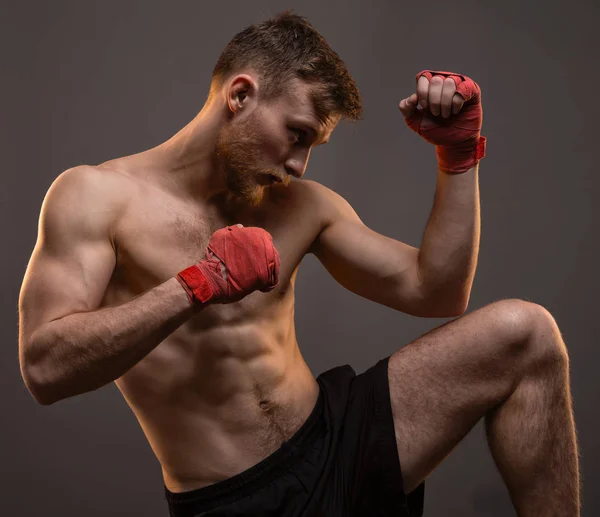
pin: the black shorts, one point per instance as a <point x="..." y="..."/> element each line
<point x="342" y="462"/>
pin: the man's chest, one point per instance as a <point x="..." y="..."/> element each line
<point x="157" y="237"/>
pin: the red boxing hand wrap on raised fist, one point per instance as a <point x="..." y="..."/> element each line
<point x="459" y="144"/>
<point x="238" y="261"/>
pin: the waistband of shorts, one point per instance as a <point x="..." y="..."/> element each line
<point x="261" y="474"/>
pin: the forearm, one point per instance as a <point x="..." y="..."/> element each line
<point x="84" y="351"/>
<point x="450" y="246"/>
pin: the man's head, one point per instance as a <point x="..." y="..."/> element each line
<point x="285" y="90"/>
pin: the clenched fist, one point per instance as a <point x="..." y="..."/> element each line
<point x="238" y="261"/>
<point x="451" y="118"/>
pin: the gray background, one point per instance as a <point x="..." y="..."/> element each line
<point x="83" y="82"/>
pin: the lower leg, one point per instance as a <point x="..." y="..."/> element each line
<point x="532" y="437"/>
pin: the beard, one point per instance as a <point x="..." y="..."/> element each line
<point x="238" y="149"/>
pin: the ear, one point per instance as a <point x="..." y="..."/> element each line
<point x="242" y="93"/>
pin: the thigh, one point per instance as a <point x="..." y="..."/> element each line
<point x="442" y="383"/>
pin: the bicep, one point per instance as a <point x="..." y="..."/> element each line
<point x="367" y="263"/>
<point x="72" y="261"/>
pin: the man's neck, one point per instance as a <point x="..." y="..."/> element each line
<point x="189" y="157"/>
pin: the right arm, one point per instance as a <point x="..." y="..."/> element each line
<point x="67" y="345"/>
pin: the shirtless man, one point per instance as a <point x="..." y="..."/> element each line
<point x="200" y="340"/>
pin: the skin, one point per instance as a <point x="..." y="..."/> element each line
<point x="216" y="390"/>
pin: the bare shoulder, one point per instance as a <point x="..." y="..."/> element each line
<point x="315" y="190"/>
<point x="316" y="207"/>
<point x="326" y="202"/>
<point x="92" y="196"/>
<point x="98" y="181"/>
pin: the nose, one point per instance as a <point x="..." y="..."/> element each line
<point x="296" y="164"/>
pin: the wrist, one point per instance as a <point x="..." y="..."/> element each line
<point x="196" y="285"/>
<point x="460" y="158"/>
<point x="178" y="299"/>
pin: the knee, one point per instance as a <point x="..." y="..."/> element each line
<point x="536" y="329"/>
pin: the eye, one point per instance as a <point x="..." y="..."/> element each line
<point x="299" y="134"/>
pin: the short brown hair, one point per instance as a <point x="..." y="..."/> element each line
<point x="286" y="47"/>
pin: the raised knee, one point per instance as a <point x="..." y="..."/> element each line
<point x="536" y="326"/>
<point x="516" y="317"/>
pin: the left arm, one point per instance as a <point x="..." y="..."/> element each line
<point x="417" y="282"/>
<point x="436" y="280"/>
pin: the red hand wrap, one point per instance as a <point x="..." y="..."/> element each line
<point x="238" y="261"/>
<point x="459" y="144"/>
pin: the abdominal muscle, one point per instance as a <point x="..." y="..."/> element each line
<point x="214" y="403"/>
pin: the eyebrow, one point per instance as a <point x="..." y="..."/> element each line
<point x="317" y="135"/>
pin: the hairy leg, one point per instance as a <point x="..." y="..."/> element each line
<point x="505" y="362"/>
<point x="532" y="434"/>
